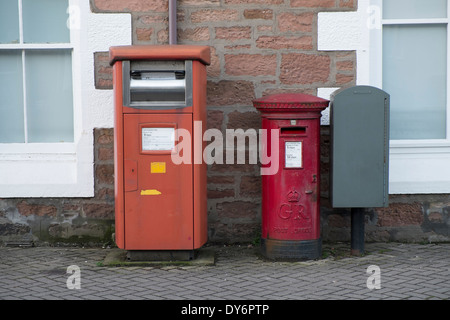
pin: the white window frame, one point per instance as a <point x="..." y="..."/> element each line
<point x="415" y="166"/>
<point x="66" y="169"/>
<point x="23" y="47"/>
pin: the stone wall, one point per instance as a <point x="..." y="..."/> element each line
<point x="409" y="218"/>
<point x="258" y="47"/>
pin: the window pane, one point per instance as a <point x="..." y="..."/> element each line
<point x="9" y="21"/>
<point x="49" y="95"/>
<point x="11" y="102"/>
<point x="415" y="75"/>
<point x="45" y="21"/>
<point x="411" y="9"/>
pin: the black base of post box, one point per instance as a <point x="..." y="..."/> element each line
<point x="291" y="249"/>
<point x="160" y="255"/>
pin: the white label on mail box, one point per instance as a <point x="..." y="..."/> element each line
<point x="158" y="139"/>
<point x="293" y="154"/>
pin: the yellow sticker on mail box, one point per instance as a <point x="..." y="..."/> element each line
<point x="158" y="167"/>
<point x="151" y="192"/>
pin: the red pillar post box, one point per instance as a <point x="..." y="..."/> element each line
<point x="290" y="195"/>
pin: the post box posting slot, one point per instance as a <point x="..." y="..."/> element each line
<point x="157" y="84"/>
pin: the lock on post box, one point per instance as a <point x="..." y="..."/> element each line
<point x="160" y="205"/>
<point x="290" y="196"/>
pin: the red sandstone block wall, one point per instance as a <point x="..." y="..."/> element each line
<point x="258" y="47"/>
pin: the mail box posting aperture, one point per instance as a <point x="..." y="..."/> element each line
<point x="290" y="196"/>
<point x="160" y="205"/>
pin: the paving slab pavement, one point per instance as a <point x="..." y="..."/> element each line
<point x="388" y="271"/>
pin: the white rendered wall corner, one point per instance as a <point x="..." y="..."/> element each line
<point x="344" y="31"/>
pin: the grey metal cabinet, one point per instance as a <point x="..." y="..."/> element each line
<point x="359" y="176"/>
